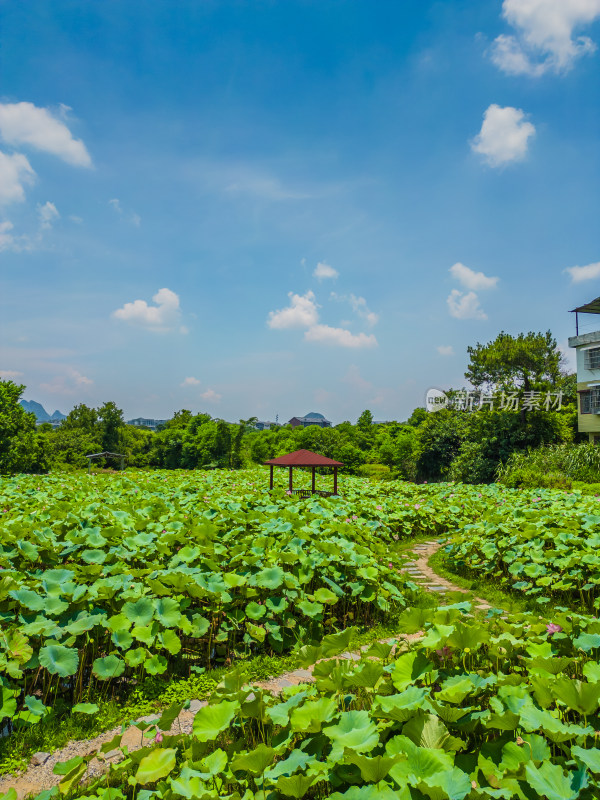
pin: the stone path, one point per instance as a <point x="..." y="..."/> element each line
<point x="39" y="776"/>
<point x="421" y="573"/>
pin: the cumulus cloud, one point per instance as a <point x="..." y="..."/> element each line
<point x="48" y="214"/>
<point x="471" y="279"/>
<point x="545" y="35"/>
<point x="160" y="318"/>
<point x="359" y="306"/>
<point x="326" y="334"/>
<point x="445" y="350"/>
<point x="211" y="396"/>
<point x="26" y="124"/>
<point x="587" y="273"/>
<point x="465" y="306"/>
<point x="301" y="313"/>
<point x="323" y="271"/>
<point x="504" y="135"/>
<point x="15" y="173"/>
<point x="190" y="382"/>
<point x="10" y="374"/>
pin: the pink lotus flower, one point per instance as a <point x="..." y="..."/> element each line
<point x="159" y="737"/>
<point x="390" y="564"/>
<point x="552" y="627"/>
<point x="444" y="653"/>
<point x="379" y="508"/>
<point x="417" y="505"/>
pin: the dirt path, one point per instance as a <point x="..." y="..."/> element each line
<point x="39" y="777"/>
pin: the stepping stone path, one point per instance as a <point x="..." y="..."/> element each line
<point x="39" y="775"/>
<point x="420" y="572"/>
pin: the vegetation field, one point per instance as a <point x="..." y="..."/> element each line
<point x="108" y="580"/>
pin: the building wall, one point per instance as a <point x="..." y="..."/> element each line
<point x="586" y="423"/>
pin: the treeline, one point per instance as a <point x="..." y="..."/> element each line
<point x="450" y="444"/>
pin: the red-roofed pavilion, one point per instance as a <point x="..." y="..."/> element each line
<point x="304" y="458"/>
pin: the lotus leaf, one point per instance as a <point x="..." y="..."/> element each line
<point x="108" y="667"/>
<point x="59" y="660"/>
<point x="158" y="764"/>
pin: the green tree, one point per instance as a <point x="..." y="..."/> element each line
<point x="222" y="449"/>
<point x="529" y="361"/>
<point x="111" y="425"/>
<point x="365" y="421"/>
<point x="81" y="418"/>
<point x="21" y="450"/>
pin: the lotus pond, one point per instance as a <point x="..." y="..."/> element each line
<point x="108" y="579"/>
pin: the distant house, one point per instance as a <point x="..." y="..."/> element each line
<point x="310" y="419"/>
<point x="148" y="424"/>
<point x="587" y="348"/>
<point x="264" y="425"/>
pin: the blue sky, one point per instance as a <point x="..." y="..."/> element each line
<point x="259" y="208"/>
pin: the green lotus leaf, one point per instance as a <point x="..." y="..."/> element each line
<point x="168" y="716"/>
<point x="170" y="641"/>
<point x="421" y="763"/>
<point x="255" y="611"/>
<point x="122" y="639"/>
<point x="118" y="622"/>
<point x="309" y="608"/>
<point x="409" y="668"/>
<point x="269" y="578"/>
<point x="64" y="767"/>
<point x="167" y="612"/>
<point x="586" y="642"/>
<point x="256" y="632"/>
<point x="323" y="595"/>
<point x="145" y="634"/>
<point x="28" y="599"/>
<point x="295" y="786"/>
<point x="455" y="783"/>
<point x="156" y="765"/>
<point x="8" y="704"/>
<point x="277" y="605"/>
<point x="234" y="581"/>
<point x="279" y="713"/>
<point x="59" y="660"/>
<point x="94" y="556"/>
<point x="591" y="757"/>
<point x="400" y="707"/>
<point x="297" y="759"/>
<point x="427" y="730"/>
<point x="29" y="550"/>
<point x="200" y="626"/>
<point x="211" y="720"/>
<point x="255" y="761"/>
<point x="140" y="612"/>
<point x="55" y="606"/>
<point x="312" y="714"/>
<point x="355" y="730"/>
<point x="374" y="769"/>
<point x="35" y="706"/>
<point x="108" y="667"/>
<point x="135" y="657"/>
<point x="156" y="665"/>
<point x="86" y="708"/>
<point x="580" y="696"/>
<point x="19" y="647"/>
<point x="549" y="781"/>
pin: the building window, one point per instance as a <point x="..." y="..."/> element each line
<point x="585" y="402"/>
<point x="592" y="358"/>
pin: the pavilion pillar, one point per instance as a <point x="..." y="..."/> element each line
<point x="271" y="478"/>
<point x="335" y="480"/>
<point x="314" y="488"/>
<point x="290" y="480"/>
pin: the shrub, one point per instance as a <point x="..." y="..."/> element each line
<point x="374" y="471"/>
<point x="534" y="479"/>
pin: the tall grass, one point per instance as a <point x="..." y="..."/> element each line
<point x="547" y="465"/>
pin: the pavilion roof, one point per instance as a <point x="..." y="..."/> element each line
<point x="304" y="458"/>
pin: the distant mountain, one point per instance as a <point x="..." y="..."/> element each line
<point x="40" y="412"/>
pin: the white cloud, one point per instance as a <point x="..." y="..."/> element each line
<point x="160" y="318"/>
<point x="504" y="135"/>
<point x="136" y="220"/>
<point x="10" y="374"/>
<point x="48" y="214"/>
<point x="359" y="306"/>
<point x="116" y="204"/>
<point x="211" y="396"/>
<point x="15" y="172"/>
<point x="74" y="218"/>
<point x="341" y="337"/>
<point x="545" y="35"/>
<point x="471" y="279"/>
<point x="323" y="271"/>
<point x="445" y="350"/>
<point x="190" y="382"/>
<point x="68" y="384"/>
<point x="26" y="124"/>
<point x="301" y="312"/>
<point x="587" y="273"/>
<point x="7" y="240"/>
<point x="465" y="306"/>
